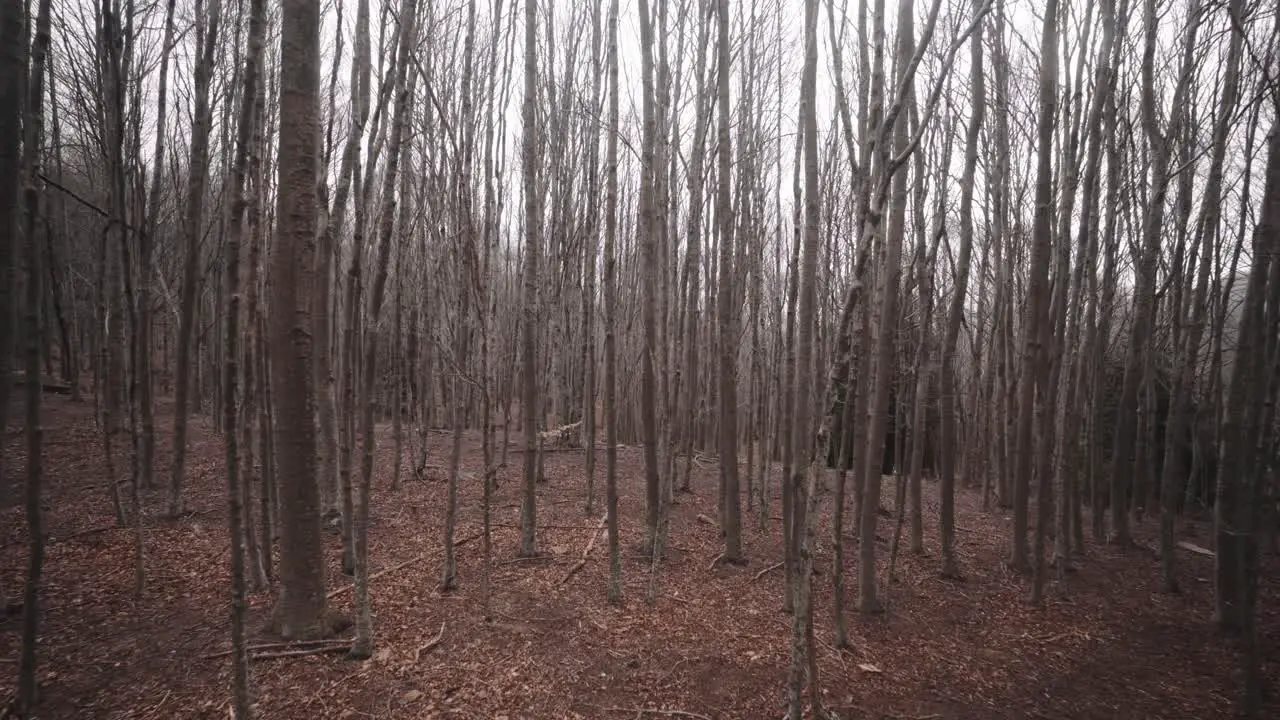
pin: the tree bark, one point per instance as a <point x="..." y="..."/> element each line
<point x="198" y="175"/>
<point x="300" y="611"/>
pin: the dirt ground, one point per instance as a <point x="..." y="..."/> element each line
<point x="713" y="645"/>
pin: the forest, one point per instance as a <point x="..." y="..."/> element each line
<point x="658" y="359"/>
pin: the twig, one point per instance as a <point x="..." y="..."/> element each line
<point x="292" y="644"/>
<point x="715" y="560"/>
<point x="657" y="711"/>
<point x="766" y="571"/>
<point x="704" y="519"/>
<point x="586" y="551"/>
<point x="430" y="645"/>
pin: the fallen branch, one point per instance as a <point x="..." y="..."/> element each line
<point x="299" y="653"/>
<point x="430" y="645"/>
<point x="82" y="533"/>
<point x="586" y="551"/>
<point x="765" y="571"/>
<point x="347" y="588"/>
<point x="291" y="644"/>
<point x="401" y="566"/>
<point x="715" y="560"/>
<point x="1192" y="547"/>
<point x="706" y="520"/>
<point x="657" y="711"/>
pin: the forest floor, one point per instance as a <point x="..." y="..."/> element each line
<point x="713" y="645"/>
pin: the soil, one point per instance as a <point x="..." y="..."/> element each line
<point x="713" y="644"/>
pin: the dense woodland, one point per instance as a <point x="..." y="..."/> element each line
<point x="856" y="260"/>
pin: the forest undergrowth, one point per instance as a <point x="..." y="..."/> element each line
<point x="713" y="644"/>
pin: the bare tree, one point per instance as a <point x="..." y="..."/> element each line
<point x="726" y="312"/>
<point x="198" y="175"/>
<point x="235" y="230"/>
<point x="532" y="250"/>
<point x="29" y="175"/>
<point x="802" y="439"/>
<point x="404" y="85"/>
<point x="611" y="311"/>
<point x="948" y="449"/>
<point x="301" y="609"/>
<point x="14" y="57"/>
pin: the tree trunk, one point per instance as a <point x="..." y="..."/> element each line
<point x="728" y="326"/>
<point x="300" y="611"/>
<point x="529" y="300"/>
<point x="198" y="175"/>
<point x="404" y="85"/>
<point x="235" y="492"/>
<point x="948" y="449"/>
<point x="610" y="313"/>
<point x="29" y="170"/>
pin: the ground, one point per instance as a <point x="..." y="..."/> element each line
<point x="713" y="645"/>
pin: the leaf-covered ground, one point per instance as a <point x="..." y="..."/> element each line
<point x="714" y="644"/>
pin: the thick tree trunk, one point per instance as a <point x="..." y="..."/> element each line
<point x="300" y="611"/>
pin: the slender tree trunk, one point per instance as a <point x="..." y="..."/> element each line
<point x="611" y="313"/>
<point x="529" y="300"/>
<point x="728" y="326"/>
<point x="404" y="84"/>
<point x="29" y="170"/>
<point x="198" y="175"/>
<point x="14" y="59"/>
<point x="802" y="456"/>
<point x="948" y="450"/>
<point x="235" y="493"/>
<point x="146" y="245"/>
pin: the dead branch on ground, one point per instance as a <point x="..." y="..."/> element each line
<point x="586" y="551"/>
<point x="430" y="645"/>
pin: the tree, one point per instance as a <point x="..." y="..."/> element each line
<point x="32" y="139"/>
<point x="529" y="300"/>
<point x="403" y="82"/>
<point x="14" y="57"/>
<point x="146" y="249"/>
<point x="948" y="446"/>
<point x="803" y="462"/>
<point x="611" y="312"/>
<point x="1184" y="369"/>
<point x="300" y="611"/>
<point x="1035" y="396"/>
<point x="886" y="319"/>
<point x="198" y="175"/>
<point x="235" y="493"/>
<point x="725" y="310"/>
